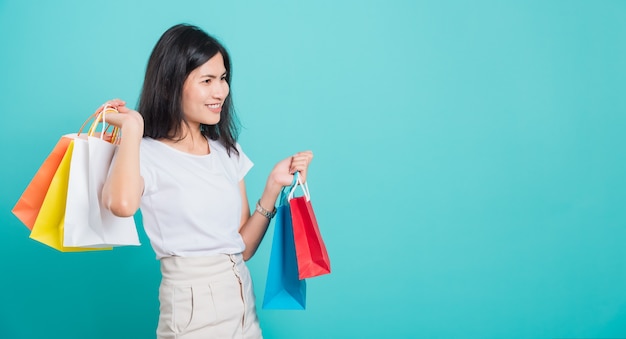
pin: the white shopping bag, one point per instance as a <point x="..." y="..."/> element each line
<point x="77" y="202"/>
<point x="87" y="222"/>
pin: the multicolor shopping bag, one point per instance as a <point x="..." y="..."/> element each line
<point x="55" y="217"/>
<point x="48" y="226"/>
<point x="88" y="223"/>
<point x="283" y="289"/>
<point x="311" y="251"/>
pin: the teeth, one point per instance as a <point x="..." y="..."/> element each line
<point x="214" y="105"/>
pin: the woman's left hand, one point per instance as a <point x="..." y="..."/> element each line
<point x="283" y="172"/>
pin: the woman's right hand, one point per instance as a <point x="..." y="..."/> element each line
<point x="129" y="120"/>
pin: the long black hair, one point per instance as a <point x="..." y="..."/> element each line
<point x="179" y="51"/>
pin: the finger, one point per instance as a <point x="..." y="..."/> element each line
<point x="305" y="154"/>
<point x="301" y="160"/>
<point x="116" y="103"/>
<point x="123" y="109"/>
<point x="299" y="163"/>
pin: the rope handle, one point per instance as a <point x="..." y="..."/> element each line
<point x="100" y="117"/>
<point x="298" y="182"/>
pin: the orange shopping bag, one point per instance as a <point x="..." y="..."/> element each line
<point x="27" y="207"/>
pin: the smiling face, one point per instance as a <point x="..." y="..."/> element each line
<point x="204" y="92"/>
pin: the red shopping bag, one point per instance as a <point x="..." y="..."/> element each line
<point x="311" y="251"/>
<point x="27" y="207"/>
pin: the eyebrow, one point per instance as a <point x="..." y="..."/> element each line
<point x="211" y="75"/>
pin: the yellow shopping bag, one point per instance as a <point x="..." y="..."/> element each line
<point x="48" y="227"/>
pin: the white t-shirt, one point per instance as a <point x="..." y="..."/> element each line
<point x="191" y="204"/>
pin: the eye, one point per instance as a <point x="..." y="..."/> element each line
<point x="207" y="81"/>
<point x="223" y="78"/>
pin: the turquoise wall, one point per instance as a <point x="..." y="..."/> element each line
<point x="469" y="175"/>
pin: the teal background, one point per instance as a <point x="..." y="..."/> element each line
<point x="468" y="175"/>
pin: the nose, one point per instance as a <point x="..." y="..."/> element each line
<point x="220" y="90"/>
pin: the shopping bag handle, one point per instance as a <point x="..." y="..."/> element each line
<point x="100" y="116"/>
<point x="297" y="181"/>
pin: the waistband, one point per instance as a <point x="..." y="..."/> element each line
<point x="200" y="269"/>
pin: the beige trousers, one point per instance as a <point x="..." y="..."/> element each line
<point x="206" y="297"/>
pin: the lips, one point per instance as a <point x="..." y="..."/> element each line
<point x="215" y="108"/>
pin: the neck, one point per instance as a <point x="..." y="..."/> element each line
<point x="190" y="141"/>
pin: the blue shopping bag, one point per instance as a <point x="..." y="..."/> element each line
<point x="283" y="289"/>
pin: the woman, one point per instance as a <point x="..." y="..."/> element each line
<point x="179" y="161"/>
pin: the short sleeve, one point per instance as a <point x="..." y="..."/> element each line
<point x="244" y="163"/>
<point x="146" y="157"/>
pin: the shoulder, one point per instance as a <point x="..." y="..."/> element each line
<point x="150" y="149"/>
<point x="217" y="145"/>
<point x="147" y="142"/>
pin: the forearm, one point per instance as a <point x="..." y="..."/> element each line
<point x="255" y="227"/>
<point x="123" y="188"/>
